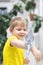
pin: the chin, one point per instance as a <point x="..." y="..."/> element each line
<point x="22" y="38"/>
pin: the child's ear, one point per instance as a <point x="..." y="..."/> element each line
<point x="10" y="29"/>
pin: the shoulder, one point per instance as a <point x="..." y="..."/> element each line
<point x="12" y="37"/>
<point x="7" y="43"/>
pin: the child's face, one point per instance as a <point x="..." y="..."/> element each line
<point x="20" y="31"/>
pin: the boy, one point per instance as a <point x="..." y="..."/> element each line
<point x="13" y="52"/>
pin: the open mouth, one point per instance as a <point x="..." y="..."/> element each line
<point x="21" y="35"/>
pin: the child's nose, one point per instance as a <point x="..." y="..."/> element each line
<point x="22" y="31"/>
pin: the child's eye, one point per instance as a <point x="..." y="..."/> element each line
<point x="25" y="29"/>
<point x="19" y="29"/>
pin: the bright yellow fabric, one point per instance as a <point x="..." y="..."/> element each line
<point x="12" y="55"/>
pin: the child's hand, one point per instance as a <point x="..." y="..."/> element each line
<point x="26" y="61"/>
<point x="37" y="54"/>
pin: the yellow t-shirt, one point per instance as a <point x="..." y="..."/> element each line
<point x="12" y="55"/>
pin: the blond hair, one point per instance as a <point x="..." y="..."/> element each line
<point x="18" y="21"/>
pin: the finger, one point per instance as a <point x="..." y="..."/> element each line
<point x="38" y="58"/>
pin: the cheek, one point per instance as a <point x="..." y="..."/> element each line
<point x="13" y="32"/>
<point x="16" y="32"/>
<point x="26" y="32"/>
